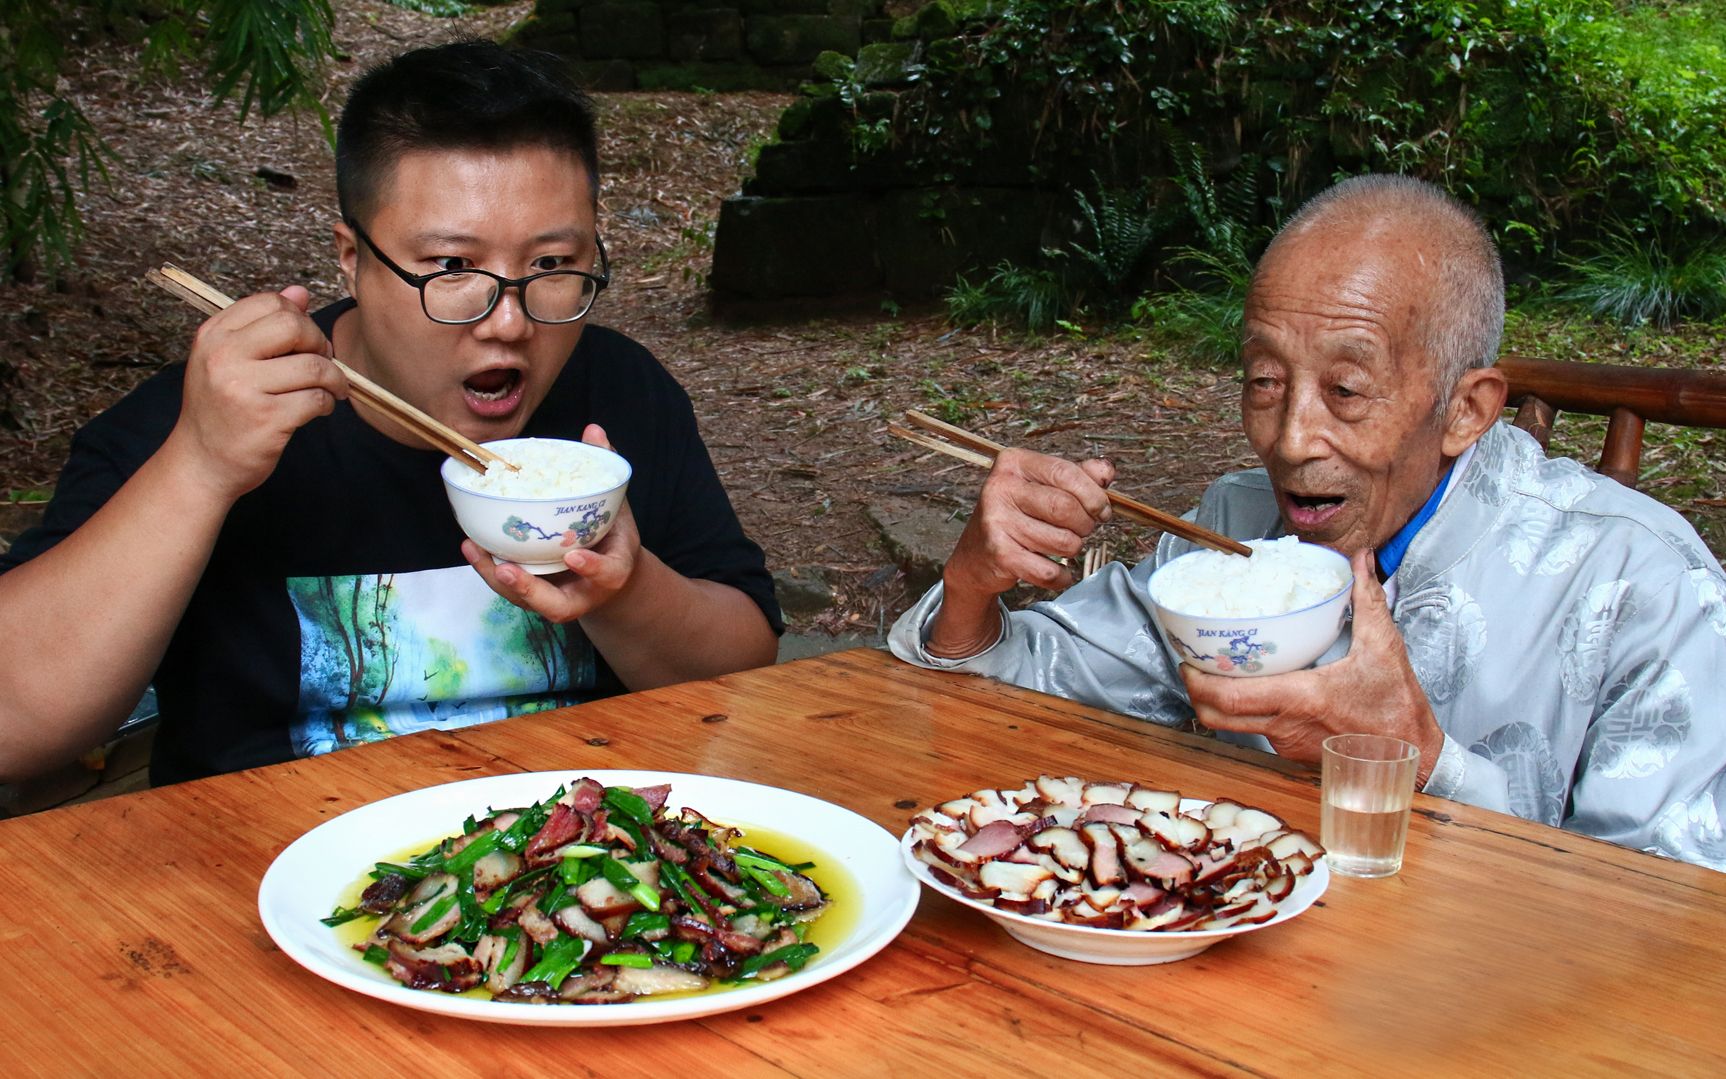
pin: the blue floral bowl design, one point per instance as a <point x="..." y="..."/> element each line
<point x="530" y="531"/>
<point x="1260" y="645"/>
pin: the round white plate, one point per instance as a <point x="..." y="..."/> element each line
<point x="308" y="878"/>
<point x="1119" y="947"/>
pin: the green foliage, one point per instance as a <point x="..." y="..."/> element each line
<point x="1102" y="269"/>
<point x="954" y="406"/>
<point x="1200" y="322"/>
<point x="1034" y="298"/>
<point x="1636" y="279"/>
<point x="1120" y="227"/>
<point x="440" y="9"/>
<point x="267" y="54"/>
<point x="1551" y="116"/>
<point x="1200" y="318"/>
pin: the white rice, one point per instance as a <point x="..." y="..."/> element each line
<point x="1283" y="575"/>
<point x="550" y="468"/>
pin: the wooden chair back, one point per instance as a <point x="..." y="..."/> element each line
<point x="1628" y="396"/>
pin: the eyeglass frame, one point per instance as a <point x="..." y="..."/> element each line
<point x="419" y="282"/>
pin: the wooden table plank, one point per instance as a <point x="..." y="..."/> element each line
<point x="1510" y="946"/>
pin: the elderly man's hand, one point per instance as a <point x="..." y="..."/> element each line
<point x="596" y="574"/>
<point x="1033" y="507"/>
<point x="1372" y="690"/>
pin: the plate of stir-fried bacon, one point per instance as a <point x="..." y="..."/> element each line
<point x="1115" y="872"/>
<point x="587" y="899"/>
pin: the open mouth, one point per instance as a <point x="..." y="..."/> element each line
<point x="1308" y="512"/>
<point x="493" y="393"/>
<point x="493" y="385"/>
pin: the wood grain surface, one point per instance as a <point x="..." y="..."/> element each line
<point x="1503" y="947"/>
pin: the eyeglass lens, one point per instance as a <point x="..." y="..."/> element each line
<point x="464" y="297"/>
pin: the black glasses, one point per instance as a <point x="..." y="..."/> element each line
<point x="461" y="297"/>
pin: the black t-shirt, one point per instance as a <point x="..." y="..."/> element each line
<point x="337" y="608"/>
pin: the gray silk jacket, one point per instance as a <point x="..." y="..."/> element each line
<point x="1569" y="632"/>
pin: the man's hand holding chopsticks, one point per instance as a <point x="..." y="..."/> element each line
<point x="1033" y="509"/>
<point x="258" y="371"/>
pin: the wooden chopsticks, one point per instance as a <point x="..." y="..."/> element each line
<point x="209" y="300"/>
<point x="980" y="451"/>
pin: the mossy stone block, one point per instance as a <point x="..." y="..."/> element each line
<point x="877" y="104"/>
<point x="603" y="74"/>
<point x="556" y="23"/>
<point x="860" y="9"/>
<point x="783" y="7"/>
<point x="891" y="63"/>
<point x="809" y="246"/>
<point x="875" y="30"/>
<point x="945" y="54"/>
<point x="714" y="75"/>
<point x="802" y="167"/>
<point x="796" y="120"/>
<point x="799" y="39"/>
<point x="537" y="31"/>
<point x="715" y="34"/>
<point x="558" y="7"/>
<point x="975" y="10"/>
<point x="833" y="65"/>
<point x="811" y="117"/>
<point x="926" y="237"/>
<point x="622" y="32"/>
<point x="933" y="20"/>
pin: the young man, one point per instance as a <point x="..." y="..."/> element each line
<point x="285" y="566"/>
<point x="1552" y="641"/>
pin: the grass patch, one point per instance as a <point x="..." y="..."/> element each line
<point x="1637" y="278"/>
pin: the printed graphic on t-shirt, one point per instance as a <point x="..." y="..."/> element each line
<point x="395" y="653"/>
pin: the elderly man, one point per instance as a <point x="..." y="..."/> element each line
<point x="285" y="567"/>
<point x="1553" y="642"/>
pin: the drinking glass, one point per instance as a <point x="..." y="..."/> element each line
<point x="1368" y="788"/>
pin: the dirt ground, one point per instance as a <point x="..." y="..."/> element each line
<point x="794" y="411"/>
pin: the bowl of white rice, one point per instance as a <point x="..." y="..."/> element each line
<point x="522" y="517"/>
<point x="1272" y="613"/>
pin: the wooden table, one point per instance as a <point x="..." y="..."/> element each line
<point x="130" y="932"/>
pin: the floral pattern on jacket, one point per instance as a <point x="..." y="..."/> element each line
<point x="1569" y="632"/>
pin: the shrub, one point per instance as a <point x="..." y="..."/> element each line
<point x="1034" y="298"/>
<point x="1641" y="279"/>
<point x="1551" y="116"/>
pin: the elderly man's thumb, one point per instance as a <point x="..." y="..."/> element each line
<point x="1371" y="609"/>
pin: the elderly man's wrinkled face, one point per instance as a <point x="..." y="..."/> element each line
<point x="1339" y="396"/>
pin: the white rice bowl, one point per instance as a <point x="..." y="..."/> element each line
<point x="1274" y="612"/>
<point x="522" y="517"/>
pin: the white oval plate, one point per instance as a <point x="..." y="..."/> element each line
<point x="306" y="881"/>
<point x="1119" y="947"/>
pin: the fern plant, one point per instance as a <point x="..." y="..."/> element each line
<point x="1200" y="319"/>
<point x="1121" y="226"/>
<point x="1221" y="215"/>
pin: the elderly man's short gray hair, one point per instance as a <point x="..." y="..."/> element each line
<point x="1464" y="323"/>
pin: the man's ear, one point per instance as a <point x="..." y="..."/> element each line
<point x="347" y="254"/>
<point x="1475" y="404"/>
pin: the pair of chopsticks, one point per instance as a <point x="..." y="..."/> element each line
<point x="980" y="451"/>
<point x="209" y="300"/>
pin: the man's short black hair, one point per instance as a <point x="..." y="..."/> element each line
<point x="468" y="95"/>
